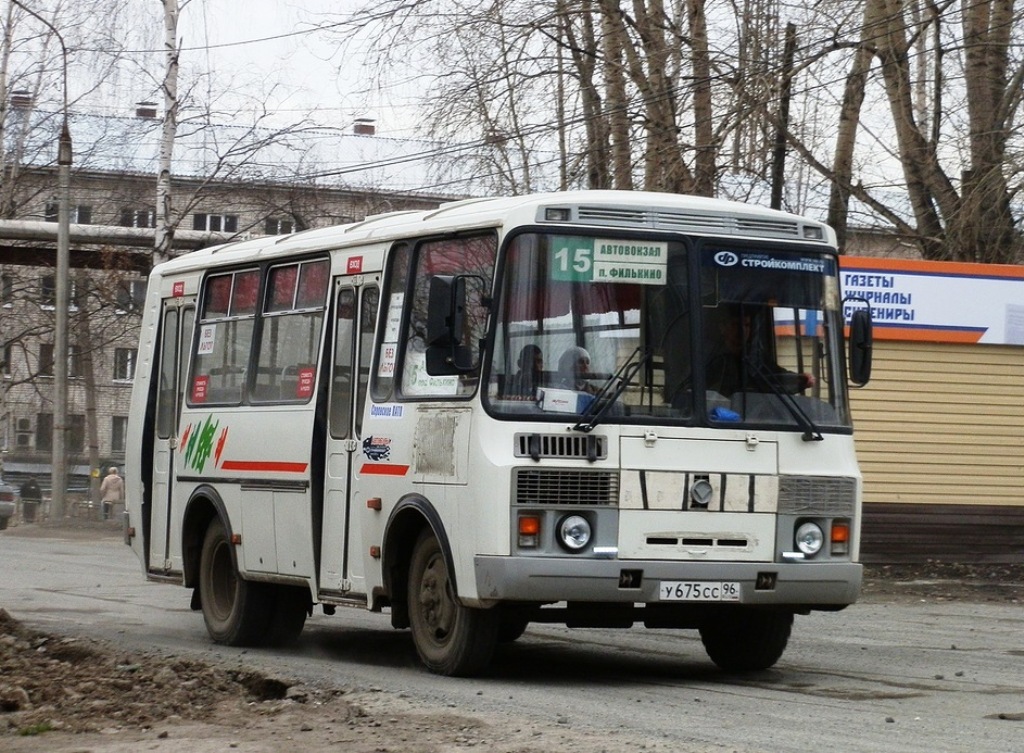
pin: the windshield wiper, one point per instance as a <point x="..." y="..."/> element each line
<point x="612" y="390"/>
<point x="811" y="432"/>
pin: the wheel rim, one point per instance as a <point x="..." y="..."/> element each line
<point x="223" y="582"/>
<point x="437" y="608"/>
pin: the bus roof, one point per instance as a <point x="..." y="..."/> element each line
<point x="606" y="208"/>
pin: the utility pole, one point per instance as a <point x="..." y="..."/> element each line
<point x="59" y="472"/>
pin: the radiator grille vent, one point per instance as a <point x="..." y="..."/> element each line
<point x="693" y="221"/>
<point x="573" y="446"/>
<point x="565" y="487"/>
<point x="817" y="495"/>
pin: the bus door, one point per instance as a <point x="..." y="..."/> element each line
<point x="355" y="315"/>
<point x="177" y="318"/>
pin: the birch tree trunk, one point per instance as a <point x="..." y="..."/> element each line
<point x="165" y="221"/>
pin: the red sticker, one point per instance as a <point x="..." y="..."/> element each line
<point x="355" y="265"/>
<point x="304" y="388"/>
<point x="179" y="289"/>
<point x="200" y="388"/>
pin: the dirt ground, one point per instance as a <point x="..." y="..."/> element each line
<point x="73" y="695"/>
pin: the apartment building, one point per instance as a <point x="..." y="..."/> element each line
<point x="228" y="182"/>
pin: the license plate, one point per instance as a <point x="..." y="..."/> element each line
<point x="695" y="590"/>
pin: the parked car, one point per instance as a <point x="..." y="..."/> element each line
<point x="8" y="503"/>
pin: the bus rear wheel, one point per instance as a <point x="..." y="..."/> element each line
<point x="236" y="611"/>
<point x="450" y="639"/>
<point x="746" y="640"/>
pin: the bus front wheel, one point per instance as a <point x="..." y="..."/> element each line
<point x="450" y="639"/>
<point x="235" y="610"/>
<point x="746" y="640"/>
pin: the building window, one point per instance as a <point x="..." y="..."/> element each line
<point x="44" y="431"/>
<point x="76" y="433"/>
<point x="48" y="292"/>
<point x="79" y="215"/>
<point x="124" y="364"/>
<point x="277" y="226"/>
<point x="75" y="436"/>
<point x="227" y="223"/>
<point x="6" y="289"/>
<point x="131" y="294"/>
<point x="46" y="360"/>
<point x="5" y="365"/>
<point x="118" y="433"/>
<point x="133" y="217"/>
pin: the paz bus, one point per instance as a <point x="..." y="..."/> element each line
<point x="592" y="408"/>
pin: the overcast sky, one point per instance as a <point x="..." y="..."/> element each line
<point x="263" y="43"/>
<point x="264" y="51"/>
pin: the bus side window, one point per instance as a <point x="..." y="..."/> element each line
<point x="289" y="344"/>
<point x="391" y="312"/>
<point x="367" y="322"/>
<point x="471" y="259"/>
<point x="224" y="338"/>
<point x="341" y="374"/>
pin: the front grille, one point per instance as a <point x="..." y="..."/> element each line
<point x="573" y="446"/>
<point x="817" y="495"/>
<point x="533" y="486"/>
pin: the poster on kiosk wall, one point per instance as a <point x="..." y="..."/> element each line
<point x="932" y="301"/>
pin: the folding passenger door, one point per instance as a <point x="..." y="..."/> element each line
<point x="355" y="314"/>
<point x="177" y="319"/>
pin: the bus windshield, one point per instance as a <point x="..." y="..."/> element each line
<point x="671" y="330"/>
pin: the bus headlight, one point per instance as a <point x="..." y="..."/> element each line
<point x="809" y="539"/>
<point x="574" y="532"/>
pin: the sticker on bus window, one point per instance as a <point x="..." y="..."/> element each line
<point x="394" y="321"/>
<point x="416" y="380"/>
<point x="200" y="388"/>
<point x="388" y="356"/>
<point x="304" y="388"/>
<point x="207" y="339"/>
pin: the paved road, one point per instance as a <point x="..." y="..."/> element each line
<point x="882" y="676"/>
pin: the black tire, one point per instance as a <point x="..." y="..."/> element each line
<point x="746" y="640"/>
<point x="288" y="615"/>
<point x="236" y="611"/>
<point x="450" y="639"/>
<point x="512" y="627"/>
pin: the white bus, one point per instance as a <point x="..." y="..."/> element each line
<point x="592" y="408"/>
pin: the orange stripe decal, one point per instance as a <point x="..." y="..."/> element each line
<point x="383" y="469"/>
<point x="264" y="466"/>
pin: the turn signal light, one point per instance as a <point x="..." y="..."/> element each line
<point x="529" y="530"/>
<point x="840" y="537"/>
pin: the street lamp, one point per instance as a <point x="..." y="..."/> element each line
<point x="58" y="468"/>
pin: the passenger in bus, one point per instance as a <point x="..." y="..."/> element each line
<point x="524" y="383"/>
<point x="574" y="371"/>
<point x="741" y="365"/>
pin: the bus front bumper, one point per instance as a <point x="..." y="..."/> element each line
<point x="801" y="585"/>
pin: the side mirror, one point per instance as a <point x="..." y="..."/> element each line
<point x="446" y="321"/>
<point x="860" y="346"/>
